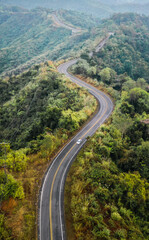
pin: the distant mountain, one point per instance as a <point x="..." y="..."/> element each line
<point x="28" y="37"/>
<point x="100" y="8"/>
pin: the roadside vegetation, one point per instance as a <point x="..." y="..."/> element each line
<point x="125" y="54"/>
<point x="40" y="110"/>
<point x="108" y="184"/>
<point x="40" y="100"/>
<point x="29" y="37"/>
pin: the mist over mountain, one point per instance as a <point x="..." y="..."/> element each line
<point x="97" y="7"/>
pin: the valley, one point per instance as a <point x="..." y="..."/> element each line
<point x="59" y="71"/>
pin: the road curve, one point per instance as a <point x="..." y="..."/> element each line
<point x="64" y="25"/>
<point x="51" y="209"/>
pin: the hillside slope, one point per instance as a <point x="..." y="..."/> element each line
<point x="37" y="99"/>
<point x="29" y="37"/>
<point x="107" y="190"/>
<point x="126" y="52"/>
<point x="40" y="110"/>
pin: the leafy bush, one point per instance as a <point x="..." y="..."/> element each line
<point x="15" y="161"/>
<point x="116" y="201"/>
<point x="9" y="187"/>
<point x="121" y="234"/>
<point x="116" y="216"/>
<point x="4" y="232"/>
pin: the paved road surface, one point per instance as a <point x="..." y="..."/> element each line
<point x="62" y="24"/>
<point x="101" y="44"/>
<point x="51" y="216"/>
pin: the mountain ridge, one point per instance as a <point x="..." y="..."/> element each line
<point x="98" y="8"/>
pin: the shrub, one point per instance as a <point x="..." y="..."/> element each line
<point x="116" y="216"/>
<point x="9" y="187"/>
<point x="125" y="212"/>
<point x="121" y="234"/>
<point x="16" y="161"/>
<point x="4" y="233"/>
<point x="105" y="233"/>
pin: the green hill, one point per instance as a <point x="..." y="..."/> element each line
<point x="30" y="37"/>
<point x="37" y="99"/>
<point x="107" y="190"/>
<point x="126" y="52"/>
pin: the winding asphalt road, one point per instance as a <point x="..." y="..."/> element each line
<point x="101" y="44"/>
<point x="64" y="25"/>
<point x="51" y="215"/>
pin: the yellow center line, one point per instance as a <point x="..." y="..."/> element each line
<point x="102" y="114"/>
<point x="51" y="229"/>
<point x="99" y="118"/>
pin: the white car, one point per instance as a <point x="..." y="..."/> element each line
<point x="79" y="141"/>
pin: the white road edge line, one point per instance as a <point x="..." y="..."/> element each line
<point x="45" y="179"/>
<point x="60" y="193"/>
<point x="61" y="185"/>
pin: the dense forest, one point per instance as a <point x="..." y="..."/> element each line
<point x="31" y="37"/>
<point x="109" y="182"/>
<point x="128" y="50"/>
<point x="126" y="53"/>
<point x="36" y="38"/>
<point x="39" y="111"/>
<point x="37" y="99"/>
<point x="109" y="188"/>
<point x="77" y="19"/>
